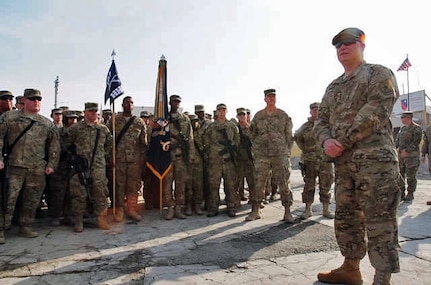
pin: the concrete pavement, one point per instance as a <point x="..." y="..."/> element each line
<point x="201" y="250"/>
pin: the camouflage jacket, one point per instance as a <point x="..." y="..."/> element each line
<point x="83" y="136"/>
<point x="356" y="111"/>
<point x="426" y="147"/>
<point x="271" y="133"/>
<point x="40" y="145"/>
<point x="306" y="141"/>
<point x="409" y="138"/>
<point x="132" y="146"/>
<point x="245" y="145"/>
<point x="180" y="136"/>
<point x="215" y="142"/>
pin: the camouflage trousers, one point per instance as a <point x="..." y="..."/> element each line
<point x="98" y="191"/>
<point x="30" y="183"/>
<point x="218" y="169"/>
<point x="408" y="169"/>
<point x="58" y="194"/>
<point x="128" y="178"/>
<point x="325" y="172"/>
<point x="195" y="183"/>
<point x="281" y="169"/>
<point x="367" y="197"/>
<point x="175" y="196"/>
<point x="246" y="170"/>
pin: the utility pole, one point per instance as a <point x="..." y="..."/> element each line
<point x="56" y="91"/>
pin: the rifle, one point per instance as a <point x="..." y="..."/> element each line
<point x="184" y="141"/>
<point x="245" y="143"/>
<point x="229" y="147"/>
<point x="302" y="168"/>
<point x="80" y="166"/>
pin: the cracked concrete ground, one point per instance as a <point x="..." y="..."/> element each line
<point x="201" y="250"/>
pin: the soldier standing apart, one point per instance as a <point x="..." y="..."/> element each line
<point x="221" y="141"/>
<point x="181" y="146"/>
<point x="313" y="166"/>
<point x="244" y="158"/>
<point x="271" y="135"/>
<point x="354" y="128"/>
<point x="407" y="142"/>
<point x="130" y="153"/>
<point x="33" y="144"/>
<point x="426" y="150"/>
<point x="93" y="142"/>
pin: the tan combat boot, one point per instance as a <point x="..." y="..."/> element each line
<point x="170" y="214"/>
<point x="27" y="232"/>
<point x="382" y="278"/>
<point x="288" y="218"/>
<point x="198" y="209"/>
<point x="189" y="211"/>
<point x="347" y="273"/>
<point x="308" y="212"/>
<point x="255" y="213"/>
<point x="119" y="215"/>
<point x="2" y="239"/>
<point x="102" y="223"/>
<point x="178" y="213"/>
<point x="326" y="212"/>
<point x="132" y="208"/>
<point x="78" y="225"/>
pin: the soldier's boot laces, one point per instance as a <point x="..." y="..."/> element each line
<point x="178" y="213"/>
<point x="288" y="218"/>
<point x="189" y="211"/>
<point x="132" y="208"/>
<point x="255" y="213"/>
<point x="347" y="273"/>
<point x="119" y="215"/>
<point x="326" y="212"/>
<point x="308" y="212"/>
<point x="27" y="232"/>
<point x="170" y="214"/>
<point x="2" y="239"/>
<point x="102" y="223"/>
<point x="382" y="278"/>
<point x="198" y="209"/>
<point x="78" y="225"/>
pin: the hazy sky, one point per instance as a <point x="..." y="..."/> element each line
<point x="217" y="51"/>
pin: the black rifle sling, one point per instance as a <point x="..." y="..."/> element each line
<point x="94" y="148"/>
<point x="123" y="130"/>
<point x="9" y="151"/>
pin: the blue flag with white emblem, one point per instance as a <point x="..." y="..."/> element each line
<point x="113" y="84"/>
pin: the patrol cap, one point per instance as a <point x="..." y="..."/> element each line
<point x="241" y="111"/>
<point x="314" y="105"/>
<point x="90" y="106"/>
<point x="107" y="111"/>
<point x="193" y="117"/>
<point x="221" y="106"/>
<point x="80" y="114"/>
<point x="175" y="98"/>
<point x="407" y="114"/>
<point x="69" y="114"/>
<point x="19" y="99"/>
<point x="247" y="111"/>
<point x="348" y="35"/>
<point x="31" y="93"/>
<point x="56" y="111"/>
<point x="199" y="108"/>
<point x="4" y="94"/>
<point x="269" y="91"/>
<point x="64" y="108"/>
<point x="144" y="114"/>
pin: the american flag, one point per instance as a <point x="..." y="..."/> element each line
<point x="405" y="65"/>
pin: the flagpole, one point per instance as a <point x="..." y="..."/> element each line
<point x="408" y="88"/>
<point x="114" y="160"/>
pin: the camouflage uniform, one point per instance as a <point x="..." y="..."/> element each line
<point x="245" y="162"/>
<point x="35" y="151"/>
<point x="356" y="111"/>
<point x="83" y="135"/>
<point x="130" y="154"/>
<point x="426" y="147"/>
<point x="221" y="164"/>
<point x="408" y="139"/>
<point x="199" y="135"/>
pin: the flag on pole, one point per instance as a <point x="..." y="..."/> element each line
<point x="404" y="104"/>
<point x="405" y="65"/>
<point x="113" y="83"/>
<point x="159" y="156"/>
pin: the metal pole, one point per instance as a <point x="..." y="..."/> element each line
<point x="56" y="82"/>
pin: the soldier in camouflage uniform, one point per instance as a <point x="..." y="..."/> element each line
<point x="33" y="156"/>
<point x="407" y="142"/>
<point x="19" y="103"/>
<point x="426" y="150"/>
<point x="83" y="136"/>
<point x="271" y="136"/>
<point x="221" y="141"/>
<point x="182" y="148"/>
<point x="314" y="167"/>
<point x="6" y="101"/>
<point x="130" y="151"/>
<point x="58" y="197"/>
<point x="354" y="128"/>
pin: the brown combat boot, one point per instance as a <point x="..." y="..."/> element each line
<point x="178" y="213"/>
<point x="119" y="215"/>
<point x="255" y="213"/>
<point x="132" y="208"/>
<point x="78" y="225"/>
<point x="2" y="239"/>
<point x="102" y="223"/>
<point x="347" y="273"/>
<point x="308" y="212"/>
<point x="288" y="218"/>
<point x="326" y="212"/>
<point x="27" y="232"/>
<point x="382" y="278"/>
<point x="170" y="214"/>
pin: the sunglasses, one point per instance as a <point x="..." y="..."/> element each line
<point x="346" y="42"/>
<point x="35" y="98"/>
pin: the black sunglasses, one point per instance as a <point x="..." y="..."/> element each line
<point x="346" y="42"/>
<point x="35" y="98"/>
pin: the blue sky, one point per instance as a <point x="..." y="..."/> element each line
<point x="217" y="50"/>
